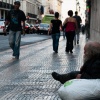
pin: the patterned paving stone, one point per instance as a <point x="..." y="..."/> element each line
<point x="30" y="78"/>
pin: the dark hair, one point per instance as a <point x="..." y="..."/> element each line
<point x="17" y="3"/>
<point x="56" y="14"/>
<point x="76" y="12"/>
<point x="70" y="13"/>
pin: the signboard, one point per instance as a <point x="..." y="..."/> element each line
<point x="47" y="18"/>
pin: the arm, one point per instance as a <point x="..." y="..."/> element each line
<point x="76" y="24"/>
<point x="7" y="21"/>
<point x="80" y="20"/>
<point x="64" y="23"/>
<point x="50" y="28"/>
<point x="34" y="28"/>
<point x="93" y="71"/>
<point x="61" y="26"/>
<point x="23" y="20"/>
<point x="78" y="76"/>
<point x="23" y="28"/>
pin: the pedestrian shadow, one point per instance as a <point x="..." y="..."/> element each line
<point x="55" y="61"/>
<point x="74" y="61"/>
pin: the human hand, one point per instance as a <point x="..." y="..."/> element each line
<point x="78" y="76"/>
<point x="60" y="29"/>
<point x="4" y="30"/>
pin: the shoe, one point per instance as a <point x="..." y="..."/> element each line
<point x="13" y="57"/>
<point x="56" y="51"/>
<point x="16" y="57"/>
<point x="56" y="76"/>
<point x="77" y="41"/>
<point x="67" y="51"/>
<point x="71" y="51"/>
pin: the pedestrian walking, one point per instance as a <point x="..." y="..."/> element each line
<point x="14" y="18"/>
<point x="71" y="26"/>
<point x="79" y="20"/>
<point x="55" y="28"/>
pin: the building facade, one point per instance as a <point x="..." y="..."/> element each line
<point x="81" y="8"/>
<point x="52" y="6"/>
<point x="32" y="9"/>
<point x="95" y="20"/>
<point x="5" y="6"/>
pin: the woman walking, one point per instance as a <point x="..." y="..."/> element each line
<point x="71" y="26"/>
<point x="55" y="27"/>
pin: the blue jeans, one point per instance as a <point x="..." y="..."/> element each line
<point x="14" y="42"/>
<point x="55" y="38"/>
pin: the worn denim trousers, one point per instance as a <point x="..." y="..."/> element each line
<point x="14" y="42"/>
<point x="55" y="38"/>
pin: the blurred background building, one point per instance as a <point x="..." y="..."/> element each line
<point x="5" y="5"/>
<point x="81" y="8"/>
<point x="52" y="6"/>
<point x="94" y="17"/>
<point x="32" y="9"/>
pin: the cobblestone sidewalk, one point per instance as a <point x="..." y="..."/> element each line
<point x="29" y="78"/>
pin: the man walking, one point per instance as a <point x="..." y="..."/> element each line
<point x="78" y="19"/>
<point x="15" y="17"/>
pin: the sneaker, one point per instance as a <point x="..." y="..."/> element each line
<point x="16" y="57"/>
<point x="56" y="76"/>
<point x="13" y="57"/>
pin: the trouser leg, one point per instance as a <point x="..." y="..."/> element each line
<point x="11" y="40"/>
<point x="71" y="41"/>
<point x="57" y="41"/>
<point x="70" y="37"/>
<point x="67" y="42"/>
<point x="55" y="38"/>
<point x="68" y="76"/>
<point x="17" y="43"/>
<point x="53" y="41"/>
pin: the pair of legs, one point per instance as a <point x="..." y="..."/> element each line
<point x="14" y="42"/>
<point x="55" y="38"/>
<point x="69" y="44"/>
<point x="65" y="77"/>
<point x="77" y="36"/>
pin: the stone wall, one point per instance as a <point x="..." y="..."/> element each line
<point x="95" y="20"/>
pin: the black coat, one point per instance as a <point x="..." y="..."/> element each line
<point x="91" y="69"/>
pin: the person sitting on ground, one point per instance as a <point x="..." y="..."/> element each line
<point x="90" y="68"/>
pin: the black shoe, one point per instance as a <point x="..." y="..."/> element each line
<point x="71" y="51"/>
<point x="56" y="76"/>
<point x="77" y="41"/>
<point x="55" y="51"/>
<point x="67" y="51"/>
<point x="16" y="57"/>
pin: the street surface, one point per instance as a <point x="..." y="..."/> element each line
<point x="27" y="39"/>
<point x="29" y="78"/>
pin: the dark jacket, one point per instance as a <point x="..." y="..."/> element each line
<point x="91" y="69"/>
